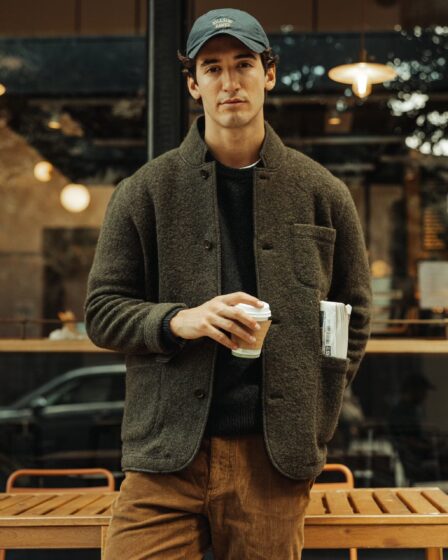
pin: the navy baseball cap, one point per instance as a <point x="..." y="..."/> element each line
<point x="233" y="22"/>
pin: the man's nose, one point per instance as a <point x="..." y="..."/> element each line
<point x="230" y="81"/>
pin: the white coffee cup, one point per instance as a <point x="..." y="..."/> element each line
<point x="263" y="317"/>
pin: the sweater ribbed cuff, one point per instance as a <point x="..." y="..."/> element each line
<point x="169" y="339"/>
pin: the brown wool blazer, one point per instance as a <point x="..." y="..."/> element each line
<point x="159" y="247"/>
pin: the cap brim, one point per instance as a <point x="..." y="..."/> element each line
<point x="252" y="45"/>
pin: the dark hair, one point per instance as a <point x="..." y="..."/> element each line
<point x="268" y="59"/>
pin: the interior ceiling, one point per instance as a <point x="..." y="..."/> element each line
<point x="108" y="141"/>
<point x="102" y="109"/>
<point x="100" y="144"/>
<point x="423" y="13"/>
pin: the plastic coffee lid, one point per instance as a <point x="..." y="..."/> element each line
<point x="256" y="312"/>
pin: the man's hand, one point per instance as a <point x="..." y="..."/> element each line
<point x="217" y="313"/>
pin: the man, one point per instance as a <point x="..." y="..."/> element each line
<point x="412" y="441"/>
<point x="217" y="449"/>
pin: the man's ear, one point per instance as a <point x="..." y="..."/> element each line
<point x="270" y="78"/>
<point x="193" y="88"/>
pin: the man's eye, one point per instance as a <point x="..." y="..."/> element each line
<point x="212" y="69"/>
<point x="246" y="64"/>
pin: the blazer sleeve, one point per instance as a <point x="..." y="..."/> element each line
<point x="351" y="280"/>
<point x="117" y="314"/>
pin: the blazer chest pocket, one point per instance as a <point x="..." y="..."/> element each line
<point x="313" y="255"/>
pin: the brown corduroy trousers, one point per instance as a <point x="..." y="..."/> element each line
<point x="230" y="497"/>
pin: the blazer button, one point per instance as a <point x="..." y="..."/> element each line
<point x="205" y="174"/>
<point x="199" y="394"/>
<point x="266" y="246"/>
<point x="208" y="244"/>
<point x="264" y="176"/>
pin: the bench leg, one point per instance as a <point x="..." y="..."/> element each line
<point x="434" y="554"/>
<point x="104" y="530"/>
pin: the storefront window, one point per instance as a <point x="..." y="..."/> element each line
<point x="73" y="124"/>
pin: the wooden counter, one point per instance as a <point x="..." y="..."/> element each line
<point x="374" y="346"/>
<point x="47" y="345"/>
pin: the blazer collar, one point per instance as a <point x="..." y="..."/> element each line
<point x="194" y="150"/>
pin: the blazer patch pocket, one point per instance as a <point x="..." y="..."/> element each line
<point x="332" y="379"/>
<point x="313" y="255"/>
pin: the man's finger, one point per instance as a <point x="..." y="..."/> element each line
<point x="236" y="328"/>
<point x="220" y="337"/>
<point x="242" y="317"/>
<point x="241" y="297"/>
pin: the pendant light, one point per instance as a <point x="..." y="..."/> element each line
<point x="75" y="197"/>
<point x="361" y="75"/>
<point x="43" y="171"/>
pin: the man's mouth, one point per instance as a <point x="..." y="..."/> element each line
<point x="232" y="101"/>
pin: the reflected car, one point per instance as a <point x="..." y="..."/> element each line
<point x="72" y="421"/>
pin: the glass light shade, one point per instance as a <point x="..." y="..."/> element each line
<point x="334" y="121"/>
<point x="74" y="197"/>
<point x="54" y="121"/>
<point x="361" y="76"/>
<point x="43" y="171"/>
<point x="2" y="89"/>
<point x="54" y="124"/>
<point x="361" y="86"/>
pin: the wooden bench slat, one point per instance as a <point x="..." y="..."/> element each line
<point x="97" y="507"/>
<point x="12" y="500"/>
<point x="73" y="506"/>
<point x="438" y="498"/>
<point x="16" y="507"/>
<point x="416" y="502"/>
<point x="364" y="502"/>
<point x="5" y="503"/>
<point x="56" y="501"/>
<point x="390" y="503"/>
<point x="316" y="506"/>
<point x="337" y="502"/>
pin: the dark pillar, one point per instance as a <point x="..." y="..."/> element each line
<point x="168" y="23"/>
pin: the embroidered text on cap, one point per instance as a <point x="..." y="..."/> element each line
<point x="222" y="22"/>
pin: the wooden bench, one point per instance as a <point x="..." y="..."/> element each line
<point x="361" y="518"/>
<point x="379" y="518"/>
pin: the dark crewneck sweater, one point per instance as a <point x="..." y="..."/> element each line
<point x="236" y="400"/>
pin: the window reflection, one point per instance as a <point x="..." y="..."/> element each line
<point x="87" y="127"/>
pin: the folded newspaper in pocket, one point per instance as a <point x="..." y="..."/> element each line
<point x="334" y="321"/>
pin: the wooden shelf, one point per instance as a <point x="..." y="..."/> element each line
<point x="374" y="346"/>
<point x="407" y="346"/>
<point x="47" y="345"/>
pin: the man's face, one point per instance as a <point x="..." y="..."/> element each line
<point x="231" y="82"/>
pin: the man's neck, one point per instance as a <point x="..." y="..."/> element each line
<point x="235" y="147"/>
